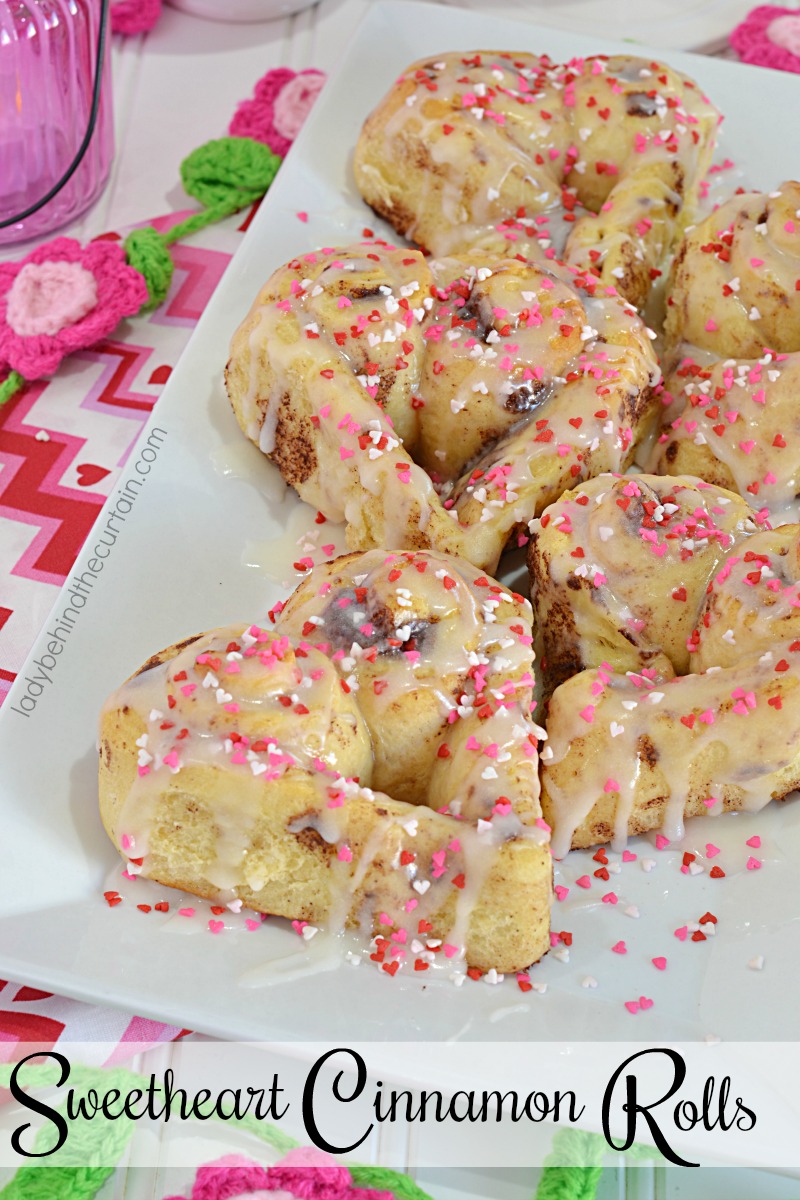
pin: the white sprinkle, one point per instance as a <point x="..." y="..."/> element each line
<point x="589" y="981"/>
<point x="757" y="963"/>
<point x="632" y="911"/>
<point x="421" y="886"/>
<point x="42" y="435"/>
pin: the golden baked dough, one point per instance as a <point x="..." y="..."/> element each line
<point x="643" y="579"/>
<point x="733" y="286"/>
<point x="489" y="148"/>
<point x="733" y="352"/>
<point x="752" y="603"/>
<point x="254" y="763"/>
<point x="736" y="423"/>
<point x="628" y="754"/>
<point x="620" y="568"/>
<point x="439" y="404"/>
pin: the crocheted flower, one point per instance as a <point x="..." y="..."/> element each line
<point x="302" y="1174"/>
<point x="134" y="16"/>
<point x="769" y="37"/>
<point x="63" y="297"/>
<point x="309" y="1174"/>
<point x="281" y="102"/>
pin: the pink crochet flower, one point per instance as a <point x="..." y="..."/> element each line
<point x="769" y="37"/>
<point x="63" y="297"/>
<point x="303" y="1174"/>
<point x="134" y="16"/>
<point x="281" y="102"/>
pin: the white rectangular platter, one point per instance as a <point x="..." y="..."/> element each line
<point x="179" y="566"/>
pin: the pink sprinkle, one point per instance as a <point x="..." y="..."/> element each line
<point x="328" y="550"/>
<point x="584" y="881"/>
<point x="620" y="948"/>
<point x="126" y="842"/>
<point x="610" y="898"/>
<point x="711" y="849"/>
<point x="628" y="856"/>
<point x="344" y="302"/>
<point x="251" y="924"/>
<point x="632" y="1006"/>
<point x="645" y="1002"/>
<point x="756" y="262"/>
<point x="711" y="325"/>
<point x="185" y="912"/>
<point x="659" y="963"/>
<point x="302" y="216"/>
<point x="344" y="453"/>
<point x="345" y="854"/>
<point x="611" y="785"/>
<point x="449" y="950"/>
<point x="681" y="933"/>
<point x="216" y="926"/>
<point x="588" y="713"/>
<point x="561" y="892"/>
<point x="754" y="841"/>
<point x="747" y="446"/>
<point x="661" y="842"/>
<point x="188" y="688"/>
<point x="171" y="759"/>
<point x="753" y="864"/>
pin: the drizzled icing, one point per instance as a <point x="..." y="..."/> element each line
<point x="485" y="149"/>
<point x="273" y="746"/>
<point x="620" y="569"/>
<point x="507" y="381"/>
<point x="736" y="422"/>
<point x="734" y="287"/>
<point x="753" y="601"/>
<point x="627" y="753"/>
<point x="733" y="333"/>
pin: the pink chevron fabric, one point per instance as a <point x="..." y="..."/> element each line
<point x="64" y="441"/>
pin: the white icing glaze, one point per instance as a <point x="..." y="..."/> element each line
<point x="243" y="714"/>
<point x="722" y="717"/>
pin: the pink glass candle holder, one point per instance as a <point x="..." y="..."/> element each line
<point x="51" y="102"/>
